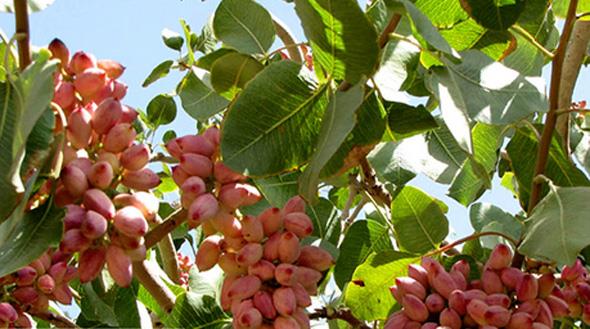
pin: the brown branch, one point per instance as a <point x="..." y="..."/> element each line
<point x="574" y="56"/>
<point x="341" y="314"/>
<point x="159" y="232"/>
<point x="21" y="13"/>
<point x="154" y="285"/>
<point x="391" y="26"/>
<point x="57" y="320"/>
<point x="168" y="254"/>
<point x="288" y="40"/>
<point x="371" y="185"/>
<point x="551" y="119"/>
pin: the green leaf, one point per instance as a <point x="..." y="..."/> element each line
<point x="326" y="220"/>
<point x="161" y="110"/>
<point x="419" y="222"/>
<point x="277" y="190"/>
<point x="25" y="237"/>
<point x="190" y="57"/>
<point x="557" y="230"/>
<point x="388" y="167"/>
<point x="422" y="28"/>
<point x="172" y="39"/>
<point x="193" y="310"/>
<point x="494" y="14"/>
<point x="368" y="295"/>
<point x="363" y="238"/>
<point x="95" y="308"/>
<point x="198" y="100"/>
<point x="244" y="25"/>
<point x="405" y="120"/>
<point x="158" y="72"/>
<point x="274" y="123"/>
<point x="582" y="151"/>
<point x="369" y="128"/>
<point x="436" y="154"/>
<point x="23" y="102"/>
<point x="40" y="144"/>
<point x="199" y="283"/>
<point x="487" y="217"/>
<point x="442" y="13"/>
<point x="486" y="91"/>
<point x="338" y="121"/>
<point x="523" y="148"/>
<point x="129" y="311"/>
<point x="206" y="41"/>
<point x="231" y="72"/>
<point x="206" y="62"/>
<point x="475" y="174"/>
<point x="343" y="40"/>
<point x="397" y="58"/>
<point x="470" y="35"/>
<point x="538" y="20"/>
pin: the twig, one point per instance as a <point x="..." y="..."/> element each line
<point x="531" y="39"/>
<point x="167" y="226"/>
<point x="574" y="56"/>
<point x="473" y="236"/>
<point x="341" y="314"/>
<point x="352" y="193"/>
<point x="168" y="254"/>
<point x="161" y="157"/>
<point x="371" y="186"/>
<point x="288" y="40"/>
<point x="155" y="286"/>
<point x="21" y="15"/>
<point x="355" y="213"/>
<point x="57" y="320"/>
<point x="391" y="26"/>
<point x="550" y="122"/>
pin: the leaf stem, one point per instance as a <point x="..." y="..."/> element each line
<point x="167" y="226"/>
<point x="531" y="39"/>
<point x="21" y="15"/>
<point x="469" y="238"/>
<point x="341" y="314"/>
<point x="161" y="157"/>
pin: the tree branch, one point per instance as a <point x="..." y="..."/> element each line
<point x="167" y="226"/>
<point x="168" y="254"/>
<point x="341" y="314"/>
<point x="551" y="119"/>
<point x="288" y="40"/>
<point x="21" y="13"/>
<point x="57" y="320"/>
<point x="154" y="285"/>
<point x="574" y="56"/>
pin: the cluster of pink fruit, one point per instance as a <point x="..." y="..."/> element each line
<point x="32" y="287"/>
<point x="504" y="297"/>
<point x="269" y="275"/>
<point x="99" y="156"/>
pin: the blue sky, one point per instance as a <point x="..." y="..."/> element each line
<point x="129" y="31"/>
